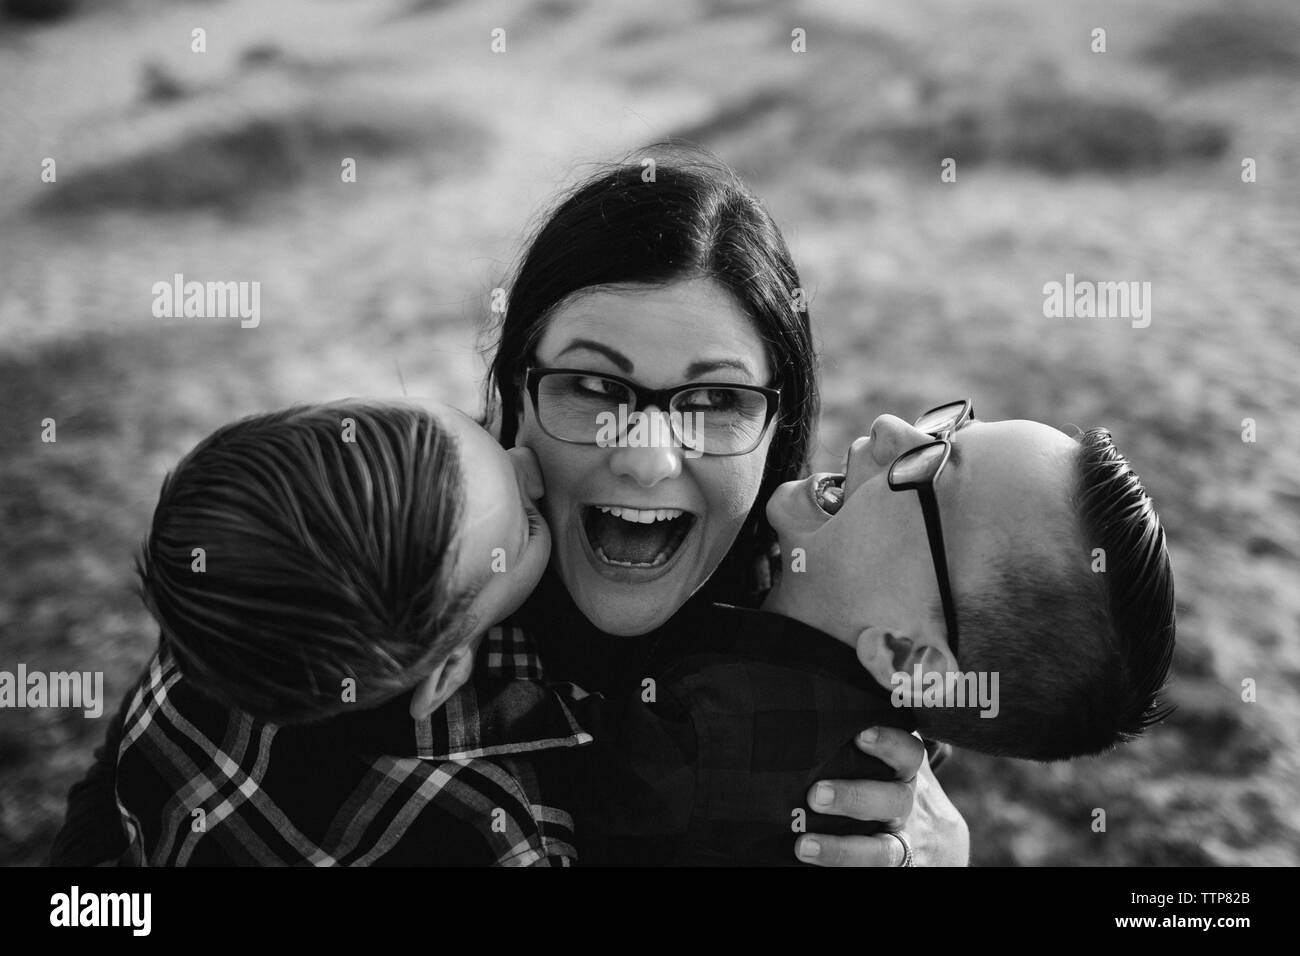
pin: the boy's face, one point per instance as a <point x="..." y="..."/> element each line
<point x="1005" y="492"/>
<point x="504" y="544"/>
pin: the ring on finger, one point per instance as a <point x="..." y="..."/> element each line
<point x="908" y="858"/>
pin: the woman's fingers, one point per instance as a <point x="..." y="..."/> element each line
<point x="931" y="824"/>
<point x="880" y="850"/>
<point x="938" y="834"/>
<point x="904" y="752"/>
<point x="886" y="801"/>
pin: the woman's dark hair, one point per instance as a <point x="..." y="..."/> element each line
<point x="693" y="218"/>
<point x="328" y="538"/>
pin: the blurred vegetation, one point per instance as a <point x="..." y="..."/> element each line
<point x="1124" y="165"/>
<point x="1228" y="44"/>
<point x="37" y="10"/>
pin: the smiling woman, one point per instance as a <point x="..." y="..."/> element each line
<point x="682" y="281"/>
<point x="669" y="299"/>
<point x="628" y="576"/>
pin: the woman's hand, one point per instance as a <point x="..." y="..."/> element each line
<point x="913" y="804"/>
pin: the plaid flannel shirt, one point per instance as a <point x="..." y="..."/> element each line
<point x="201" y="784"/>
<point x="749" y="709"/>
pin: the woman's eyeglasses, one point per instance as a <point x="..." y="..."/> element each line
<point x="917" y="470"/>
<point x="709" y="418"/>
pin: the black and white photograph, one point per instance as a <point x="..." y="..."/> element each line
<point x="721" y="433"/>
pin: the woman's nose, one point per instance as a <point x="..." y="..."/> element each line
<point x="647" y="466"/>
<point x="649" y="462"/>
<point x="891" y="436"/>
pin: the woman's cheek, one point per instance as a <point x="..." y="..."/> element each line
<point x="731" y="488"/>
<point x="560" y="479"/>
<point x="748" y="478"/>
<point x="556" y="475"/>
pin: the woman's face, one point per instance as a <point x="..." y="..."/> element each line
<point x="637" y="530"/>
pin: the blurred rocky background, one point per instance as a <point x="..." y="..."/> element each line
<point x="1122" y="165"/>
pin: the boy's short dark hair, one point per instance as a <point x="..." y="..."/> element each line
<point x="1081" y="656"/>
<point x="328" y="546"/>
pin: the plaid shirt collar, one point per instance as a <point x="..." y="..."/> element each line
<point x="363" y="788"/>
<point x="505" y="709"/>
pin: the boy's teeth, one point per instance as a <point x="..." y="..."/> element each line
<point x="640" y="515"/>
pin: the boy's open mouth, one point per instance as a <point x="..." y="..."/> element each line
<point x="635" y="537"/>
<point x="828" y="492"/>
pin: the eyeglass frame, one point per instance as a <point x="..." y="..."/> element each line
<point x="658" y="397"/>
<point x="924" y="488"/>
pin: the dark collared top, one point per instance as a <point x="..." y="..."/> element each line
<point x="711" y="761"/>
<point x="201" y="784"/>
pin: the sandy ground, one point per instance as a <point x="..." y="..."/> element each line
<point x="1124" y="165"/>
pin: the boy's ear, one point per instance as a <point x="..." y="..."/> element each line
<point x="887" y="651"/>
<point x="445" y="679"/>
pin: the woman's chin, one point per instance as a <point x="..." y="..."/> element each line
<point x="628" y="608"/>
<point x="625" y="619"/>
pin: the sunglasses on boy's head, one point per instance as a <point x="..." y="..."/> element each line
<point x="917" y="469"/>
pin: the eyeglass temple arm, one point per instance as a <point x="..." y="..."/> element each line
<point x="934" y="531"/>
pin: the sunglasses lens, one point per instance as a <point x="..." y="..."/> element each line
<point x="940" y="419"/>
<point x="917" y="465"/>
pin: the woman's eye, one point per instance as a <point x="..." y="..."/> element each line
<point x="591" y="385"/>
<point x="708" y="399"/>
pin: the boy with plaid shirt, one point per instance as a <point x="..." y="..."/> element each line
<point x="323" y="579"/>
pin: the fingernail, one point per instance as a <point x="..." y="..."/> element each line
<point x="869" y="736"/>
<point x="810" y="848"/>
<point x="824" y="795"/>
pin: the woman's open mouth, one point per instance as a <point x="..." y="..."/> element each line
<point x="828" y="492"/>
<point x="624" y="537"/>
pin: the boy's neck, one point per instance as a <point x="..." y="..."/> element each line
<point x="777" y="602"/>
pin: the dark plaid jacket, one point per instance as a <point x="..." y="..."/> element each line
<point x="711" y="761"/>
<point x="200" y="784"/>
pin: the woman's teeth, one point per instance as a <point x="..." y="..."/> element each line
<point x="642" y="515"/>
<point x="660" y="558"/>
<point x="635" y="537"/>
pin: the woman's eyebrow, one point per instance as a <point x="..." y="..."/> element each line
<point x="712" y="365"/>
<point x="694" y="370"/>
<point x="614" y="355"/>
